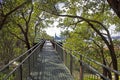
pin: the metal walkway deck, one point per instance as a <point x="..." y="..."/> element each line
<point x="49" y="66"/>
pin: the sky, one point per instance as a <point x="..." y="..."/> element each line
<point x="53" y="30"/>
<point x="112" y="31"/>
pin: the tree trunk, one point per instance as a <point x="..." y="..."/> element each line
<point x="115" y="5"/>
<point x="109" y="74"/>
<point x="114" y="61"/>
<point x="27" y="42"/>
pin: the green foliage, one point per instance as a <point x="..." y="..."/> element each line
<point x="2" y="76"/>
<point x="10" y="46"/>
<point x="6" y="42"/>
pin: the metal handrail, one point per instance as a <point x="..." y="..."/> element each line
<point x="89" y="59"/>
<point x="17" y="58"/>
<point x="37" y="46"/>
<point x="90" y="67"/>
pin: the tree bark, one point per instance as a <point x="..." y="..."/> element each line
<point x="105" y="71"/>
<point x="27" y="41"/>
<point x="115" y="5"/>
<point x="114" y="60"/>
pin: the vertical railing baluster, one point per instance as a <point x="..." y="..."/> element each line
<point x="20" y="72"/>
<point x="29" y="64"/>
<point x="81" y="68"/>
<point x="64" y="53"/>
<point x="71" y="64"/>
<point x="33" y="58"/>
<point x="55" y="46"/>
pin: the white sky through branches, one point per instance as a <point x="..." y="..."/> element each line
<point x="53" y="30"/>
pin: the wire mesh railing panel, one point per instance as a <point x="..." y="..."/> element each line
<point x="60" y="52"/>
<point x="76" y="69"/>
<point x="25" y="70"/>
<point x="68" y="61"/>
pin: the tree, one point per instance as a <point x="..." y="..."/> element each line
<point x="25" y="20"/>
<point x="24" y="27"/>
<point x="18" y="30"/>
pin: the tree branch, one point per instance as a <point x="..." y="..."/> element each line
<point x="98" y="32"/>
<point x="23" y="17"/>
<point x="9" y="13"/>
<point x="16" y="8"/>
<point x="16" y="36"/>
<point x="77" y="23"/>
<point x="29" y="17"/>
<point x="30" y="14"/>
<point x="21" y="28"/>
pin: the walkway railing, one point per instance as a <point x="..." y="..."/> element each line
<point x="83" y="67"/>
<point x="24" y="64"/>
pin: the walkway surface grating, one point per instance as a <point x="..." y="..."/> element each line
<point x="49" y="66"/>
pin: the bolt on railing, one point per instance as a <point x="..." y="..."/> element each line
<point x="25" y="64"/>
<point x="81" y="68"/>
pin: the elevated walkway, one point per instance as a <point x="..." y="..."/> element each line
<point x="43" y="62"/>
<point x="49" y="66"/>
